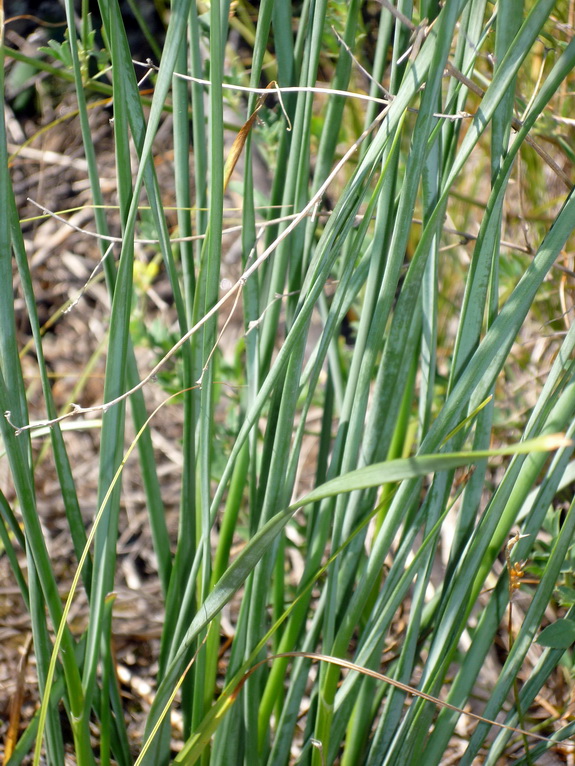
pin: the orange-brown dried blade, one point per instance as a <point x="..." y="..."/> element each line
<point x="241" y="138"/>
<point x="237" y="147"/>
<point x="16" y="704"/>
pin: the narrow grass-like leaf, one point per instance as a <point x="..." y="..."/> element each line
<point x="370" y="476"/>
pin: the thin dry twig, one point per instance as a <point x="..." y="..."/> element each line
<point x="308" y="89"/>
<point x="11" y="737"/>
<point x="402" y="687"/>
<point x="465" y="236"/>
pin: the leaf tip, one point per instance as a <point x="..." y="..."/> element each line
<point x="556" y="441"/>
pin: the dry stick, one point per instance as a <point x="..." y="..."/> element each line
<point x="36" y="20"/>
<point x="307" y="89"/>
<point x="79" y="229"/>
<point x="90" y="279"/>
<point x="465" y="235"/>
<point x="15" y="706"/>
<point x="277" y="297"/>
<point x="232" y="310"/>
<point x="468" y="237"/>
<point x="270" y="90"/>
<point x="193" y="208"/>
<point x="176" y="240"/>
<point x="357" y="63"/>
<point x="398" y="685"/>
<point x="216" y="344"/>
<point x="77" y="410"/>
<point x="421" y="32"/>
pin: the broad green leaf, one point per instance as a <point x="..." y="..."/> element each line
<point x="558" y="635"/>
